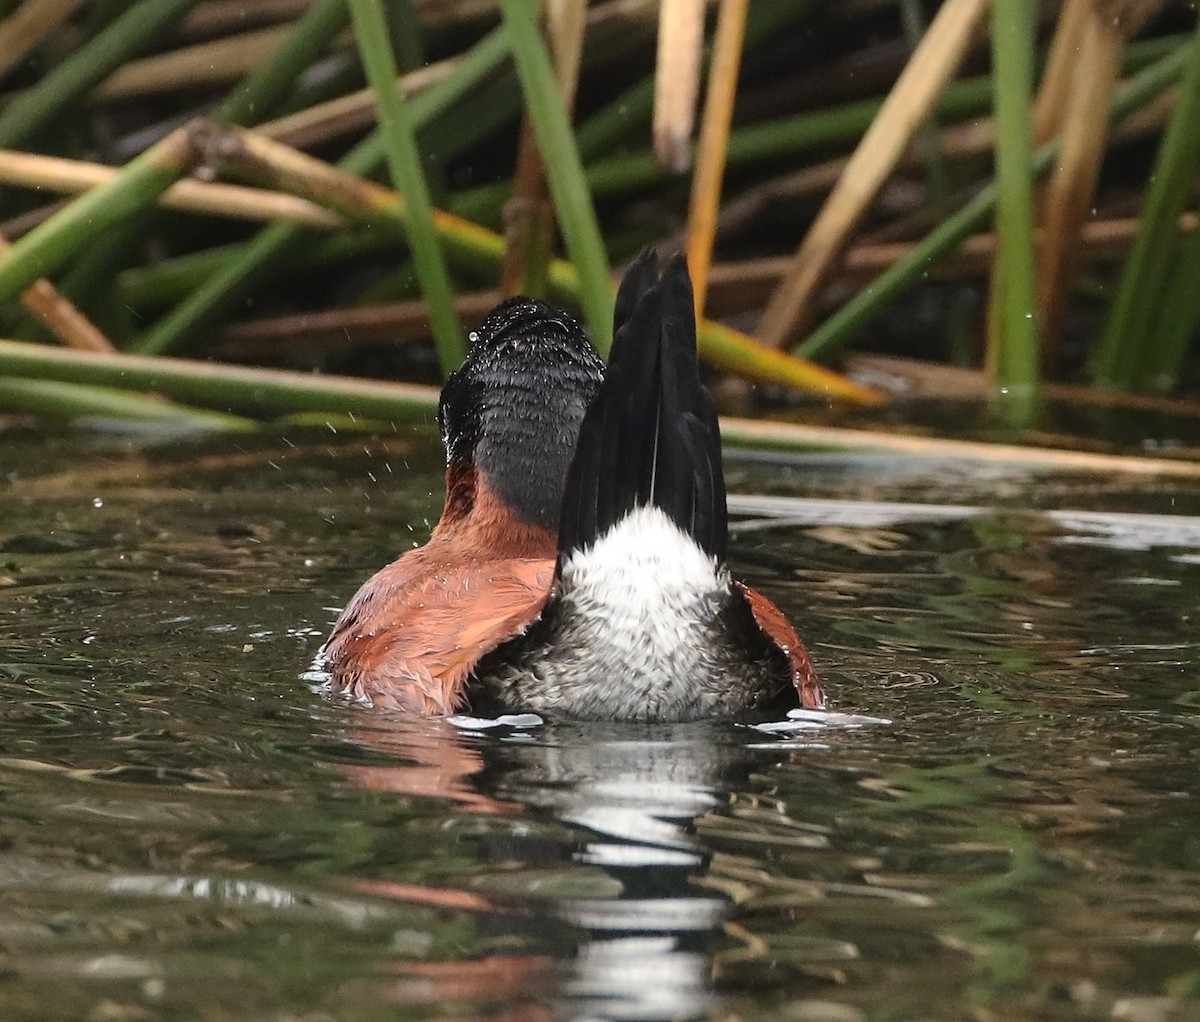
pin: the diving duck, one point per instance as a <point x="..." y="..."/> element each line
<point x="579" y="565"/>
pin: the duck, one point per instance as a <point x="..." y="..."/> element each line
<point x="579" y="567"/>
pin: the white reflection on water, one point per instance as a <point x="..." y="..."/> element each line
<point x="1113" y="529"/>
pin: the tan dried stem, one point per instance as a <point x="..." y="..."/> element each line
<point x="765" y="432"/>
<point x="253" y="155"/>
<point x="566" y="25"/>
<point x="220" y="17"/>
<point x="714" y="143"/>
<point x="28" y="25"/>
<point x="937" y="380"/>
<point x="74" y="176"/>
<point x="210" y="63"/>
<point x="345" y="114"/>
<point x="907" y="106"/>
<point x="744" y="285"/>
<point x="1058" y="77"/>
<point x="677" y="81"/>
<point x="1100" y="29"/>
<point x="59" y="315"/>
<point x="529" y="214"/>
<point x="339" y="329"/>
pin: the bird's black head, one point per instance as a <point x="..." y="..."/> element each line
<point x="513" y="408"/>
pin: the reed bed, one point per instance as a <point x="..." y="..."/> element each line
<point x="261" y="190"/>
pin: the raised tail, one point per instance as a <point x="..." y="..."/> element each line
<point x="650" y="436"/>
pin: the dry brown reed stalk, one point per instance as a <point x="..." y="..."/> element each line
<point x="23" y="30"/>
<point x="323" y="122"/>
<point x="436" y="13"/>
<point x="734" y="287"/>
<point x="714" y="141"/>
<point x="1098" y="241"/>
<point x="529" y="214"/>
<point x="960" y="141"/>
<point x="335" y="118"/>
<point x="1102" y="29"/>
<point x="907" y="106"/>
<point x="237" y="201"/>
<point x="528" y="220"/>
<point x="743" y="285"/>
<point x="341" y="329"/>
<point x="566" y="25"/>
<point x="677" y="82"/>
<point x="937" y="380"/>
<point x="249" y="154"/>
<point x="221" y="17"/>
<point x="792" y="435"/>
<point x="211" y="63"/>
<point x="59" y="316"/>
<point x="1059" y="72"/>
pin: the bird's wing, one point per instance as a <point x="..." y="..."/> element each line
<point x="411" y="637"/>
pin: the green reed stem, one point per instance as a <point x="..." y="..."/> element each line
<point x="157" y="285"/>
<point x="1016" y="358"/>
<point x="398" y="131"/>
<point x="1119" y="358"/>
<point x="75" y="401"/>
<point x="1177" y="322"/>
<point x="564" y="169"/>
<point x="404" y="32"/>
<point x="257" y="96"/>
<point x="88" y="279"/>
<point x="225" y="385"/>
<point x="616" y="119"/>
<point x="88" y="217"/>
<point x="473" y="67"/>
<point x="90" y="64"/>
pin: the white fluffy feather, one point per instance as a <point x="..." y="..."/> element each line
<point x="639" y="609"/>
<point x="645" y="565"/>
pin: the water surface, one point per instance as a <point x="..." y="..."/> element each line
<point x="187" y="831"/>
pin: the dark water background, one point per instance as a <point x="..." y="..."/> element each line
<point x="188" y="832"/>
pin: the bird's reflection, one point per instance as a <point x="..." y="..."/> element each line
<point x="631" y="796"/>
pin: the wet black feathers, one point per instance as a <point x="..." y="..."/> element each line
<point x="513" y="408"/>
<point x="650" y="436"/>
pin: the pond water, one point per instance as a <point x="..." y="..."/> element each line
<point x="187" y="831"/>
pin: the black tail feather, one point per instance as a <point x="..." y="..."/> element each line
<point x="639" y="278"/>
<point x="650" y="436"/>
